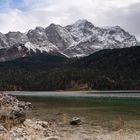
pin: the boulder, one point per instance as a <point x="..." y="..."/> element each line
<point x="25" y="105"/>
<point x="19" y="116"/>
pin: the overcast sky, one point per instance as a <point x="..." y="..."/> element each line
<point x="22" y="15"/>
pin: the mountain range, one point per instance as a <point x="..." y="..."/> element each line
<point x="80" y="56"/>
<point x="77" y="40"/>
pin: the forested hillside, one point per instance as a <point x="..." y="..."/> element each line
<point x="117" y="69"/>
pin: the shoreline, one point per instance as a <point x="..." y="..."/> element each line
<point x="89" y="91"/>
<point x="86" y="94"/>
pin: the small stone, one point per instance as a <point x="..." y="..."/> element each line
<point x="2" y="129"/>
<point x="45" y="124"/>
<point x="29" y="105"/>
<point x="75" y="121"/>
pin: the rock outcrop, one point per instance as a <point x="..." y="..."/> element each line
<point x="14" y="124"/>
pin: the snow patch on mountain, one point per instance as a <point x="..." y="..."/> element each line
<point x="35" y="48"/>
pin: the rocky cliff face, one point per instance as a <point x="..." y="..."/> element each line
<point x="77" y="40"/>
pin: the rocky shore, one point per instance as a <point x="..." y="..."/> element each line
<point x="14" y="124"/>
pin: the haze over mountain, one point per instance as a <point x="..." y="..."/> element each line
<point x="77" y="40"/>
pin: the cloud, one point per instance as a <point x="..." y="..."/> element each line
<point x="30" y="13"/>
<point x="126" y="17"/>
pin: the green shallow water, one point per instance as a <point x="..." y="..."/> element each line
<point x="104" y="112"/>
<point x="59" y="101"/>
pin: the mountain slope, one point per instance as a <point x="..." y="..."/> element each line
<point x="109" y="69"/>
<point x="114" y="60"/>
<point x="77" y="40"/>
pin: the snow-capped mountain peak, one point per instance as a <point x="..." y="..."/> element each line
<point x="59" y="36"/>
<point x="83" y="23"/>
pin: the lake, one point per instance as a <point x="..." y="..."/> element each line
<point x="99" y="111"/>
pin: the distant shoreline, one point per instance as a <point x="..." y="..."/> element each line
<point x="98" y="91"/>
<point x="85" y="91"/>
<point x="85" y="94"/>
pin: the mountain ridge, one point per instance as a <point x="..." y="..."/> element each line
<point x="76" y="40"/>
